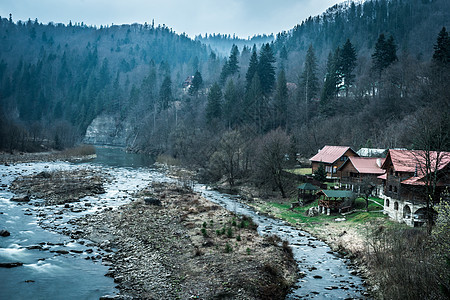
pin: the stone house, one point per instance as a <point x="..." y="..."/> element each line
<point x="332" y="157"/>
<point x="405" y="183"/>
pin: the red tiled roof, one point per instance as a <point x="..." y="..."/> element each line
<point x="414" y="160"/>
<point x="366" y="165"/>
<point x="329" y="154"/>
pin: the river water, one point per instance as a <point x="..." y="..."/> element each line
<point x="79" y="274"/>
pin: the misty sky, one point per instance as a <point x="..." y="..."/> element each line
<point x="243" y="17"/>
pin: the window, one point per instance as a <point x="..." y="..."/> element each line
<point x="390" y="188"/>
<point x="344" y="158"/>
<point x="387" y="202"/>
<point x="395" y="189"/>
<point x="396" y="205"/>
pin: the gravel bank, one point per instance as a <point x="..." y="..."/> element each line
<point x="170" y="243"/>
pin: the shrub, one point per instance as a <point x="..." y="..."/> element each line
<point x="230" y="232"/>
<point x="205" y="234"/>
<point x="238" y="238"/>
<point x="228" y="248"/>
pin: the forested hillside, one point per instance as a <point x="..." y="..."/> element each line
<point x="364" y="74"/>
<point x="56" y="78"/>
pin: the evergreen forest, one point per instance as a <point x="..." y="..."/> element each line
<point x="362" y="74"/>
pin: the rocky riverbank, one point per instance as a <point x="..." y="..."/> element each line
<point x="83" y="152"/>
<point x="59" y="187"/>
<point x="171" y="243"/>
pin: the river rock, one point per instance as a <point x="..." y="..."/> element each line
<point x="152" y="201"/>
<point x="11" y="265"/>
<point x="21" y="199"/>
<point x="4" y="233"/>
<point x="35" y="247"/>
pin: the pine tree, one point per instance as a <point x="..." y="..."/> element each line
<point x="347" y="65"/>
<point x="441" y="55"/>
<point x="253" y="100"/>
<point x="266" y="70"/>
<point x="384" y="55"/>
<point x="214" y="105"/>
<point x="309" y="84"/>
<point x="252" y="68"/>
<point x="165" y="93"/>
<point x="196" y="83"/>
<point x="231" y="107"/>
<point x="329" y="89"/>
<point x="233" y="64"/>
<point x="224" y="73"/>
<point x="281" y="97"/>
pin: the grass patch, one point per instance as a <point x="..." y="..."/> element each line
<point x="300" y="171"/>
<point x="360" y="203"/>
<point x="296" y="215"/>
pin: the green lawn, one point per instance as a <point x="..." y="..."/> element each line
<point x="297" y="215"/>
<point x="300" y="171"/>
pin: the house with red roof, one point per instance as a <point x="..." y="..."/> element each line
<point x="405" y="183"/>
<point x="332" y="157"/>
<point x="359" y="170"/>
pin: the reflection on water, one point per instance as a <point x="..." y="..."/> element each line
<point x="118" y="157"/>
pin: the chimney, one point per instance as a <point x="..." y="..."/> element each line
<point x="379" y="162"/>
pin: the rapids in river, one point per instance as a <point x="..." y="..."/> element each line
<point x="55" y="266"/>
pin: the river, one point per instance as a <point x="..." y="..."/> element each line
<point x="37" y="235"/>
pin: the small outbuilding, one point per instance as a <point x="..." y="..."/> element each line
<point x="306" y="193"/>
<point x="333" y="200"/>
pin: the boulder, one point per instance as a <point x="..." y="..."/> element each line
<point x="4" y="233"/>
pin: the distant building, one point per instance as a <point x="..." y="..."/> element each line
<point x="405" y="184"/>
<point x="332" y="157"/>
<point x="371" y="152"/>
<point x="187" y="83"/>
